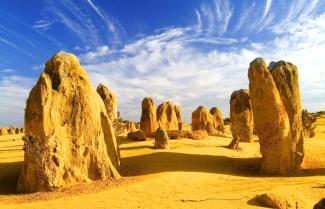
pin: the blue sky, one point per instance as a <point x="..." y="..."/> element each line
<point x="188" y="51"/>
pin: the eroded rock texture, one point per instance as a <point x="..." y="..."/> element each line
<point x="148" y="122"/>
<point x="285" y="76"/>
<point x="217" y="117"/>
<point x="109" y="100"/>
<point x="161" y="139"/>
<point x="69" y="137"/>
<point x="166" y="116"/>
<point x="202" y="120"/>
<point x="241" y="117"/>
<point x="271" y="121"/>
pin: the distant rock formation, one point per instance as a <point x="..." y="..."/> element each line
<point x="271" y="121"/>
<point x="202" y="120"/>
<point x="241" y="117"/>
<point x="109" y="100"/>
<point x="69" y="137"/>
<point x="161" y="139"/>
<point x="285" y="76"/>
<point x="10" y="131"/>
<point x="148" y="122"/>
<point x="195" y="135"/>
<point x="217" y="117"/>
<point x="166" y="116"/>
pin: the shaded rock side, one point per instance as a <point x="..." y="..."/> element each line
<point x="285" y="76"/>
<point x="109" y="100"/>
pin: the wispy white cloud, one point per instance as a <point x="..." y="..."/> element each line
<point x="13" y="93"/>
<point x="91" y="56"/>
<point x="42" y="24"/>
<point x="216" y="16"/>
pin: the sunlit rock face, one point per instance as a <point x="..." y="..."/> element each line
<point x="202" y="120"/>
<point x="167" y="117"/>
<point x="271" y="121"/>
<point x="69" y="136"/>
<point x="148" y="121"/>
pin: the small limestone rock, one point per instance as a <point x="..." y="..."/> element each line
<point x="273" y="201"/>
<point x="137" y="136"/>
<point x="161" y="139"/>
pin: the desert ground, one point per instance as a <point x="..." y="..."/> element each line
<point x="191" y="174"/>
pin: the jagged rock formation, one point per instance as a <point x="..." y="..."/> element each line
<point x="241" y="117"/>
<point x="69" y="137"/>
<point x="148" y="122"/>
<point x="285" y="76"/>
<point x="161" y="139"/>
<point x="271" y="121"/>
<point x="109" y="100"/>
<point x="166" y="116"/>
<point x="137" y="136"/>
<point x="217" y="117"/>
<point x="202" y="120"/>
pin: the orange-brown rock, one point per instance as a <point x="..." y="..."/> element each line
<point x="109" y="100"/>
<point x="285" y="76"/>
<point x="68" y="135"/>
<point x="202" y="120"/>
<point x="271" y="121"/>
<point x="161" y="139"/>
<point x="137" y="136"/>
<point x="217" y="117"/>
<point x="148" y="122"/>
<point x="166" y="116"/>
<point x="241" y="116"/>
<point x="195" y="135"/>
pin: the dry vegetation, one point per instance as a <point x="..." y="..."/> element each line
<point x="191" y="174"/>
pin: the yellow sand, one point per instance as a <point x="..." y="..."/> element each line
<point x="192" y="174"/>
